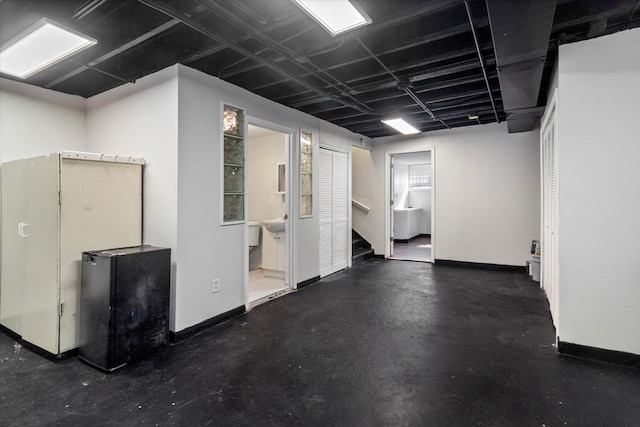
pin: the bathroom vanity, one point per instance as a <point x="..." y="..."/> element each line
<point x="273" y="253"/>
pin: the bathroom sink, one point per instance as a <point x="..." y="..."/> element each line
<point x="274" y="225"/>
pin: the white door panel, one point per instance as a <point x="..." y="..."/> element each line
<point x="40" y="320"/>
<point x="12" y="246"/>
<point x="334" y="213"/>
<point x="101" y="209"/>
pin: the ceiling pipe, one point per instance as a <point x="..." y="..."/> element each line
<point x="424" y="9"/>
<point x="401" y="85"/>
<point x="633" y="13"/>
<point x="459" y="29"/>
<point x="258" y="18"/>
<point x="202" y="29"/>
<point x="482" y="64"/>
<point x="385" y="95"/>
<point x="91" y="67"/>
<point x="162" y="28"/>
<point x="278" y="47"/>
<point x="87" y="9"/>
<point x="417" y="100"/>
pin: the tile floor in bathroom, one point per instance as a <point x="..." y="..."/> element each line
<point x="261" y="286"/>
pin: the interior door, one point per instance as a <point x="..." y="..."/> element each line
<point x="333" y="207"/>
<point x="40" y="319"/>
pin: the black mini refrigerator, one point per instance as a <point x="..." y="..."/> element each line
<point x="124" y="304"/>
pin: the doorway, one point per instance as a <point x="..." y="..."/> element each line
<point x="411" y="206"/>
<point x="268" y="212"/>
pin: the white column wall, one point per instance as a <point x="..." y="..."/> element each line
<point x="363" y="171"/>
<point x="207" y="249"/>
<point x="487" y="193"/>
<point x="599" y="191"/>
<point x="141" y="120"/>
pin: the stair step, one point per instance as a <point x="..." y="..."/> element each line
<point x="360" y="249"/>
<point x="360" y="243"/>
<point x="362" y="256"/>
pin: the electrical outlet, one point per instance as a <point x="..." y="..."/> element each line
<point x="215" y="286"/>
<point x="272" y="200"/>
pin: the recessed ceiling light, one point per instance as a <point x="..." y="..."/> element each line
<point x="401" y="126"/>
<point x="336" y="16"/>
<point x="473" y="117"/>
<point x="40" y="46"/>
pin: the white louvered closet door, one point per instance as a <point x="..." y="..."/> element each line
<point x="549" y="254"/>
<point x="333" y="211"/>
<point x="326" y="212"/>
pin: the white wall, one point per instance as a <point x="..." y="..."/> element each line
<point x="487" y="191"/>
<point x="599" y="191"/>
<point x="264" y="155"/>
<point x="208" y="250"/>
<point x="172" y="118"/>
<point x="401" y="185"/>
<point x="141" y="120"/>
<point x="36" y="121"/>
<point x="421" y="198"/>
<point x="363" y="191"/>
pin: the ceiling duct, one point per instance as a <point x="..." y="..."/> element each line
<point x="521" y="31"/>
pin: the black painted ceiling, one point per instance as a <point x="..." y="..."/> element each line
<point x="418" y="59"/>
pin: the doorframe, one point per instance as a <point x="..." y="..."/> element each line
<point x="388" y="191"/>
<point x="347" y="152"/>
<point x="291" y="225"/>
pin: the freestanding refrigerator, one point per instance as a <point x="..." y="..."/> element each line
<point x="124" y="304"/>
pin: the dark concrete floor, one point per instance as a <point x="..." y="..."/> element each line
<point x="386" y="343"/>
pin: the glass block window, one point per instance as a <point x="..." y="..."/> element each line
<point x="420" y="175"/>
<point x="233" y="164"/>
<point x="306" y="174"/>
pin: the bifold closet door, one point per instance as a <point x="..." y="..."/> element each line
<point x="333" y="215"/>
<point x="549" y="254"/>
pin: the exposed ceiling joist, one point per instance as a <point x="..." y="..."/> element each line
<point x="436" y="62"/>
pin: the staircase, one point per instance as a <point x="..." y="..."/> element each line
<point x="360" y="249"/>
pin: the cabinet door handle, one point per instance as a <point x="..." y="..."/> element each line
<point x="21" y="231"/>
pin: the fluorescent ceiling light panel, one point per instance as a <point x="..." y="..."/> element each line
<point x="401" y="126"/>
<point x="39" y="47"/>
<point x="336" y="16"/>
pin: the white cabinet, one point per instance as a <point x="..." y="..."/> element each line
<point x="53" y="208"/>
<point x="273" y="253"/>
<point x="406" y="223"/>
